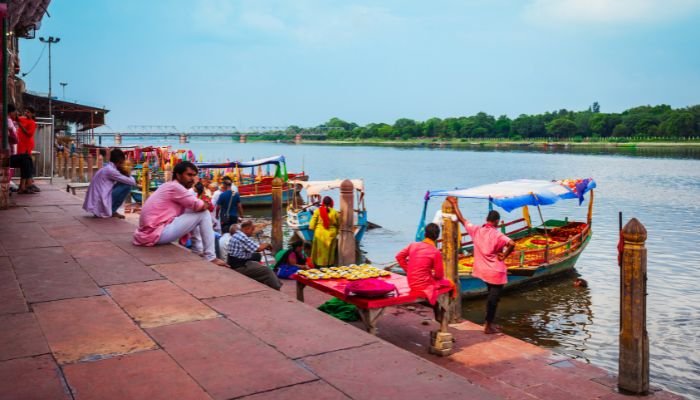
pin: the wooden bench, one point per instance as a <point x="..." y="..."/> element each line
<point x="371" y="309"/>
<point x="72" y="186"/>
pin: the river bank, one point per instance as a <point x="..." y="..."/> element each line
<point x="476" y="143"/>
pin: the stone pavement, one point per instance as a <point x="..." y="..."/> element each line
<point x="86" y="315"/>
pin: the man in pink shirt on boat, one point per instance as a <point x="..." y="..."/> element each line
<point x="491" y="247"/>
<point x="173" y="210"/>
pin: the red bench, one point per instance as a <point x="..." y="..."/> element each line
<point x="371" y="309"/>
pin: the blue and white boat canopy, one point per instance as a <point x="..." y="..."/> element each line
<point x="510" y="195"/>
<point x="277" y="160"/>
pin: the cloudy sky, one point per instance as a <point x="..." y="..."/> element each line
<point x="275" y="63"/>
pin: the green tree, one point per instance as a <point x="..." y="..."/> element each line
<point x="561" y="128"/>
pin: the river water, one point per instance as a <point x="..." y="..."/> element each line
<point x="659" y="187"/>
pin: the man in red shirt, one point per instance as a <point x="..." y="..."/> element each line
<point x="26" y="128"/>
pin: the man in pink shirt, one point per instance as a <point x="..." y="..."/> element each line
<point x="173" y="211"/>
<point x="422" y="262"/>
<point x="491" y="247"/>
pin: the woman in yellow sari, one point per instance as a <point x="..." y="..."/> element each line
<point x="325" y="223"/>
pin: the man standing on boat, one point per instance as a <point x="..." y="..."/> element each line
<point x="109" y="187"/>
<point x="491" y="247"/>
<point x="173" y="211"/>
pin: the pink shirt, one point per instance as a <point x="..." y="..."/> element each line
<point x="424" y="269"/>
<point x="168" y="202"/>
<point x="488" y="242"/>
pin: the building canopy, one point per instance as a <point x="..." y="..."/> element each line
<point x="86" y="117"/>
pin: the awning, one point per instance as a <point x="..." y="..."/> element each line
<point x="243" y="164"/>
<point x="510" y="195"/>
<point x="25" y="15"/>
<point x="316" y="187"/>
<point x="86" y="117"/>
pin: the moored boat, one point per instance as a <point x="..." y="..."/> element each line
<point x="541" y="251"/>
<point x="300" y="211"/>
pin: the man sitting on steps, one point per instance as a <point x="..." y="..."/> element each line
<point x="173" y="211"/>
<point x="243" y="256"/>
<point x="109" y="188"/>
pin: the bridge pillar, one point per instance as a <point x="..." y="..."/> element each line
<point x="183" y="138"/>
<point x="297" y="138"/>
<point x="243" y="139"/>
<point x="117" y="139"/>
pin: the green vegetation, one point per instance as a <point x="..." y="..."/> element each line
<point x="652" y="123"/>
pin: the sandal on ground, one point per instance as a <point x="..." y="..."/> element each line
<point x="26" y="191"/>
<point x="34" y="188"/>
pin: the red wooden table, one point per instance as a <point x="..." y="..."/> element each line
<point x="371" y="309"/>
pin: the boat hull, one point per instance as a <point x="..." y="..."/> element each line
<point x="474" y="287"/>
<point x="264" y="199"/>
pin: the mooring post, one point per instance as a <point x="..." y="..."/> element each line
<point x="450" y="254"/>
<point x="90" y="167"/>
<point x="66" y="162"/>
<point x="145" y="183"/>
<point x="346" y="241"/>
<point x="168" y="174"/>
<point x="633" y="374"/>
<point x="276" y="234"/>
<point x="81" y="168"/>
<point x="59" y="163"/>
<point x="74" y="168"/>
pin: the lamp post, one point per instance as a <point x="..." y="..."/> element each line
<point x="63" y="84"/>
<point x="51" y="40"/>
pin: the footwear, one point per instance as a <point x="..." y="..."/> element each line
<point x="219" y="263"/>
<point x="26" y="191"/>
<point x="117" y="215"/>
<point x="491" y="328"/>
<point x="34" y="188"/>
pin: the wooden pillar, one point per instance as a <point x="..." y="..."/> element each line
<point x="74" y="167"/>
<point x="90" y="167"/>
<point x="347" y="246"/>
<point x="633" y="374"/>
<point x="145" y="183"/>
<point x="450" y="254"/>
<point x="66" y="164"/>
<point x="168" y="173"/>
<point x="99" y="160"/>
<point x="59" y="163"/>
<point x="81" y="168"/>
<point x="276" y="234"/>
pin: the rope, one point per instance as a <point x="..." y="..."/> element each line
<point x="35" y="63"/>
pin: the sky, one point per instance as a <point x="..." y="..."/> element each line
<point x="252" y="63"/>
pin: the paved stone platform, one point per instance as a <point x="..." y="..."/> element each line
<point x="86" y="315"/>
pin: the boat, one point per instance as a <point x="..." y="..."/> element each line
<point x="254" y="188"/>
<point x="300" y="211"/>
<point x="542" y="251"/>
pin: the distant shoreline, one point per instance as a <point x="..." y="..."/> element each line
<point x="498" y="143"/>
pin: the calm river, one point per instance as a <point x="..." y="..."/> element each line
<point x="661" y="189"/>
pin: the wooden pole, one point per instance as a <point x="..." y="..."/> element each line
<point x="276" y="234"/>
<point x="90" y="167"/>
<point x="346" y="242"/>
<point x="168" y="174"/>
<point x="66" y="164"/>
<point x="81" y="168"/>
<point x="590" y="208"/>
<point x="633" y="374"/>
<point x="59" y="162"/>
<point x="74" y="167"/>
<point x="100" y="160"/>
<point x="145" y="183"/>
<point x="450" y="254"/>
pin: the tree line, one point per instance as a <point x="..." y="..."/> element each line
<point x="660" y="121"/>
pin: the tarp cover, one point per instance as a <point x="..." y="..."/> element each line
<point x="243" y="164"/>
<point x="316" y="187"/>
<point x="510" y="195"/>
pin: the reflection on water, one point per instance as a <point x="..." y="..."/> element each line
<point x="555" y="315"/>
<point x="654" y="185"/>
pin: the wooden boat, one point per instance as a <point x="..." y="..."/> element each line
<point x="299" y="212"/>
<point x="255" y="188"/>
<point x="541" y="251"/>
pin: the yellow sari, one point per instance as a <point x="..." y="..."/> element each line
<point x="325" y="244"/>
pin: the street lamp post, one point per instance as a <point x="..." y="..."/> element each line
<point x="63" y="84"/>
<point x="51" y="40"/>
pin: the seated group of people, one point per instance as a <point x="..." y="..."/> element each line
<point x="175" y="211"/>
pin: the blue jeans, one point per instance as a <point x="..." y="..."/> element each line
<point x="119" y="193"/>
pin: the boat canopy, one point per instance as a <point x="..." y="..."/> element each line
<point x="510" y="195"/>
<point x="316" y="187"/>
<point x="277" y="160"/>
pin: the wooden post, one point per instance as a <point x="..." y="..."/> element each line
<point x="107" y="154"/>
<point x="81" y="168"/>
<point x="276" y="234"/>
<point x="90" y="167"/>
<point x="633" y="374"/>
<point x="346" y="242"/>
<point x="145" y="183"/>
<point x="99" y="160"/>
<point x="450" y="253"/>
<point x="168" y="174"/>
<point x="66" y="164"/>
<point x="59" y="163"/>
<point x="74" y="167"/>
